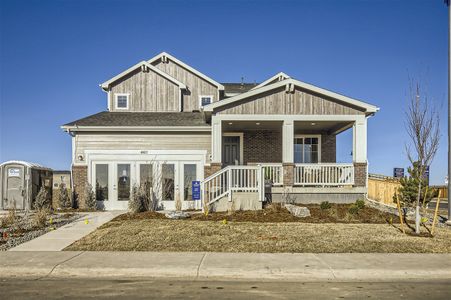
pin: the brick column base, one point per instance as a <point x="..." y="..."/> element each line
<point x="288" y="174"/>
<point x="80" y="179"/>
<point x="213" y="168"/>
<point x="360" y="174"/>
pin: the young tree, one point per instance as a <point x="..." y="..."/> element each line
<point x="63" y="196"/>
<point x="90" y="197"/>
<point x="42" y="200"/>
<point x="422" y="125"/>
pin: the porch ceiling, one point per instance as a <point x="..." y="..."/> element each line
<point x="334" y="127"/>
<point x="299" y="126"/>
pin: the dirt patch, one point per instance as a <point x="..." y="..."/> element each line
<point x="218" y="236"/>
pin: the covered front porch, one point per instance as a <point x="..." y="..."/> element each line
<point x="293" y="151"/>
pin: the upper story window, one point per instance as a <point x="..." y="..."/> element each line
<point x="122" y="101"/>
<point x="205" y="100"/>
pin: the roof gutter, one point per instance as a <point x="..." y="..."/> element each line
<point x="76" y="128"/>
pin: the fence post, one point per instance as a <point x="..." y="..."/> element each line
<point x="229" y="183"/>
<point x="261" y="184"/>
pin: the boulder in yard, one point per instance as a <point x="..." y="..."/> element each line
<point x="298" y="211"/>
<point x="176" y="215"/>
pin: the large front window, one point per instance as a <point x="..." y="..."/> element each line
<point x="306" y="150"/>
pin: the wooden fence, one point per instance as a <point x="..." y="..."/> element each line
<point x="382" y="188"/>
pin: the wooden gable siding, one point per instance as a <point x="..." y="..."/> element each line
<point x="148" y="91"/>
<point x="197" y="86"/>
<point x="279" y="102"/>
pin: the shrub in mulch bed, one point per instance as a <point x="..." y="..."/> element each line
<point x="275" y="213"/>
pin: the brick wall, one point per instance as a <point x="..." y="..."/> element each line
<point x="360" y="174"/>
<point x="288" y="174"/>
<point x="80" y="178"/>
<point x="328" y="148"/>
<point x="262" y="146"/>
<point x="211" y="169"/>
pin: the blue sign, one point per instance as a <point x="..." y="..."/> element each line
<point x="196" y="190"/>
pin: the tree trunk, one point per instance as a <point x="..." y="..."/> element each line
<point x="417" y="210"/>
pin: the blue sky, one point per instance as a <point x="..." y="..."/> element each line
<point x="53" y="55"/>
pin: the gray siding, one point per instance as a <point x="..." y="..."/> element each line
<point x="142" y="141"/>
<point x="148" y="91"/>
<point x="197" y="86"/>
<point x="279" y="102"/>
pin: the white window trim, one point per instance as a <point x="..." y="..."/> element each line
<point x="318" y="136"/>
<point x="241" y="136"/>
<point x="204" y="96"/>
<point x="116" y="95"/>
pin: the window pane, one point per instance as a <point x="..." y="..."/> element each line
<point x="101" y="182"/>
<point x="205" y="100"/>
<point x="145" y="174"/>
<point x="189" y="175"/>
<point x="298" y="153"/>
<point x="314" y="157"/>
<point x="167" y="175"/>
<point x="123" y="182"/>
<point x="122" y="101"/>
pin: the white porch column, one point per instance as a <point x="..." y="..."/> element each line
<point x="216" y="140"/>
<point x="359" y="140"/>
<point x="288" y="141"/>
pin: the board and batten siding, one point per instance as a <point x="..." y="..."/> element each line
<point x="148" y="92"/>
<point x="279" y="102"/>
<point x="135" y="141"/>
<point x="197" y="86"/>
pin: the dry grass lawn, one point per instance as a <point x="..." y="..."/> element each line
<point x="157" y="234"/>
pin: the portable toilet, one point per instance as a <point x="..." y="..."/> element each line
<point x="20" y="182"/>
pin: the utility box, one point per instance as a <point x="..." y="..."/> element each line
<point x="64" y="178"/>
<point x="20" y="182"/>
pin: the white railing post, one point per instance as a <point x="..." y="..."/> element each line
<point x="229" y="184"/>
<point x="261" y="187"/>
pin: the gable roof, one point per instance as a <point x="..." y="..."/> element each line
<point x="369" y="108"/>
<point x="106" y="84"/>
<point x="279" y="76"/>
<point x="107" y="120"/>
<point x="191" y="69"/>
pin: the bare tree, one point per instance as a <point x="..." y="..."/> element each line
<point x="422" y="125"/>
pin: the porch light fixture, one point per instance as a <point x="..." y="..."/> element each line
<point x="258" y="123"/>
<point x="313" y="123"/>
<point x="230" y="123"/>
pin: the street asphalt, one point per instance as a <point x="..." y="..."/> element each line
<point x="129" y="288"/>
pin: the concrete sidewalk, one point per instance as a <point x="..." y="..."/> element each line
<point x="59" y="239"/>
<point x="201" y="265"/>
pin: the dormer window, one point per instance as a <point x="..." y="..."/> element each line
<point x="205" y="100"/>
<point x="122" y="101"/>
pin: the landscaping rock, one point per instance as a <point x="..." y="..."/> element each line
<point x="298" y="211"/>
<point x="177" y="215"/>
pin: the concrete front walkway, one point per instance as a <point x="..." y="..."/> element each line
<point x="59" y="239"/>
<point x="246" y="266"/>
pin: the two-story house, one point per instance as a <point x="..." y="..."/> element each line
<point x="170" y="124"/>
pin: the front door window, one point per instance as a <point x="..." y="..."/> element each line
<point x="101" y="182"/>
<point x="306" y="150"/>
<point x="123" y="182"/>
<point x="189" y="175"/>
<point x="168" y="181"/>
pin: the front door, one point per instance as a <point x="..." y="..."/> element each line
<point x="14" y="187"/>
<point x="231" y="150"/>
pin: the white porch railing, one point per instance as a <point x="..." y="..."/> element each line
<point x="273" y="172"/>
<point x="324" y="174"/>
<point x="233" y="179"/>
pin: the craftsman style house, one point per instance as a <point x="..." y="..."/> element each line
<point x="169" y="124"/>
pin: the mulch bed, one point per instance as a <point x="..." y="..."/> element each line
<point x="275" y="213"/>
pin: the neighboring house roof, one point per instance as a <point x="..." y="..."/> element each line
<point x="279" y="77"/>
<point x="107" y="83"/>
<point x="341" y="98"/>
<point x="107" y="120"/>
<point x="189" y="68"/>
<point x="25" y="163"/>
<point x="237" y="88"/>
